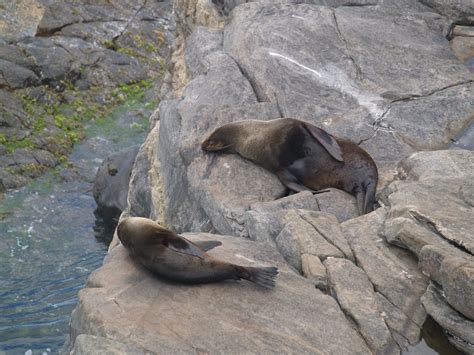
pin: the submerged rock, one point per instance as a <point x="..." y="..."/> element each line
<point x="111" y="183"/>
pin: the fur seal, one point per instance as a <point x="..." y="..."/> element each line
<point x="178" y="259"/>
<point x="303" y="156"/>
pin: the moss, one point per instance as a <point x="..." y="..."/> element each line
<point x="13" y="144"/>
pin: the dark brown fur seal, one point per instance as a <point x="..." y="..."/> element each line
<point x="176" y="258"/>
<point x="303" y="156"/>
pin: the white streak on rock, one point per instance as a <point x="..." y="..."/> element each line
<point x="273" y="54"/>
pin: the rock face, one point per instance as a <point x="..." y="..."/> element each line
<point x="323" y="62"/>
<point x="65" y="62"/>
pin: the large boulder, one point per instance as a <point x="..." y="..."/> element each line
<point x="133" y="309"/>
<point x="346" y="80"/>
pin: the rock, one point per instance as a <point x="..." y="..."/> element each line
<point x="314" y="270"/>
<point x="263" y="221"/>
<point x="45" y="158"/>
<point x="463" y="31"/>
<point x="192" y="13"/>
<point x="457" y="279"/>
<point x="299" y="237"/>
<point x="440" y="165"/>
<point x="415" y="217"/>
<point x="339" y="203"/>
<point x="123" y="302"/>
<point x="140" y="199"/>
<point x="404" y="331"/>
<point x="15" y="76"/>
<point x="430" y="259"/>
<point x="111" y="183"/>
<point x="459" y="330"/>
<point x="91" y="344"/>
<point x="354" y="293"/>
<point x="393" y="271"/>
<point x="202" y="42"/>
<point x="19" y="19"/>
<point x="455" y="9"/>
<point x="463" y="47"/>
<point x="327" y="225"/>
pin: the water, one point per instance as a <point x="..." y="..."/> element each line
<point x="50" y="240"/>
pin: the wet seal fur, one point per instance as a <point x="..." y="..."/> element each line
<point x="175" y="258"/>
<point x="303" y="156"/>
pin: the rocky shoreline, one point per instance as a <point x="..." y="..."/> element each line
<point x="64" y="64"/>
<point x="393" y="76"/>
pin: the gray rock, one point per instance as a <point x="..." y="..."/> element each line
<point x="313" y="269"/>
<point x="300" y="236"/>
<point x="202" y="42"/>
<point x="430" y="259"/>
<point x="140" y="200"/>
<point x="123" y="302"/>
<point x="460" y="331"/>
<point x="457" y="279"/>
<point x="327" y="225"/>
<point x="378" y="66"/>
<point x="339" y="203"/>
<point x="111" y="182"/>
<point x="393" y="271"/>
<point x="15" y="76"/>
<point x="263" y="221"/>
<point x="354" y="293"/>
<point x="404" y="331"/>
<point x="416" y="218"/>
<point x="91" y="344"/>
<point x="456" y="9"/>
<point x="45" y="158"/>
<point x="440" y="165"/>
<point x="19" y="19"/>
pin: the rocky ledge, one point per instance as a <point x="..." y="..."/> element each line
<point x="381" y="73"/>
<point x="66" y="63"/>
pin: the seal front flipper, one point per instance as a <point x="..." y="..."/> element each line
<point x="177" y="243"/>
<point x="290" y="181"/>
<point x="325" y="139"/>
<point x="208" y="244"/>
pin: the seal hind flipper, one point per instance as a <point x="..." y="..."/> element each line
<point x="177" y="243"/>
<point x="365" y="197"/>
<point x="325" y="139"/>
<point x="369" y="199"/>
<point x="208" y="244"/>
<point x="262" y="276"/>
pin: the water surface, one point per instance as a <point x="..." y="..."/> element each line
<point x="50" y="240"/>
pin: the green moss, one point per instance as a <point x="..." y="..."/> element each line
<point x="39" y="125"/>
<point x="13" y="144"/>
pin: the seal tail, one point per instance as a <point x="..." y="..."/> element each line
<point x="262" y="276"/>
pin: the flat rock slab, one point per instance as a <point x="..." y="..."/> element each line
<point x="123" y="302"/>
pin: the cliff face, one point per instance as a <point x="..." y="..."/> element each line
<point x="381" y="73"/>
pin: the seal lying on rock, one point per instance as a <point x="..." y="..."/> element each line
<point x="303" y="156"/>
<point x="176" y="258"/>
